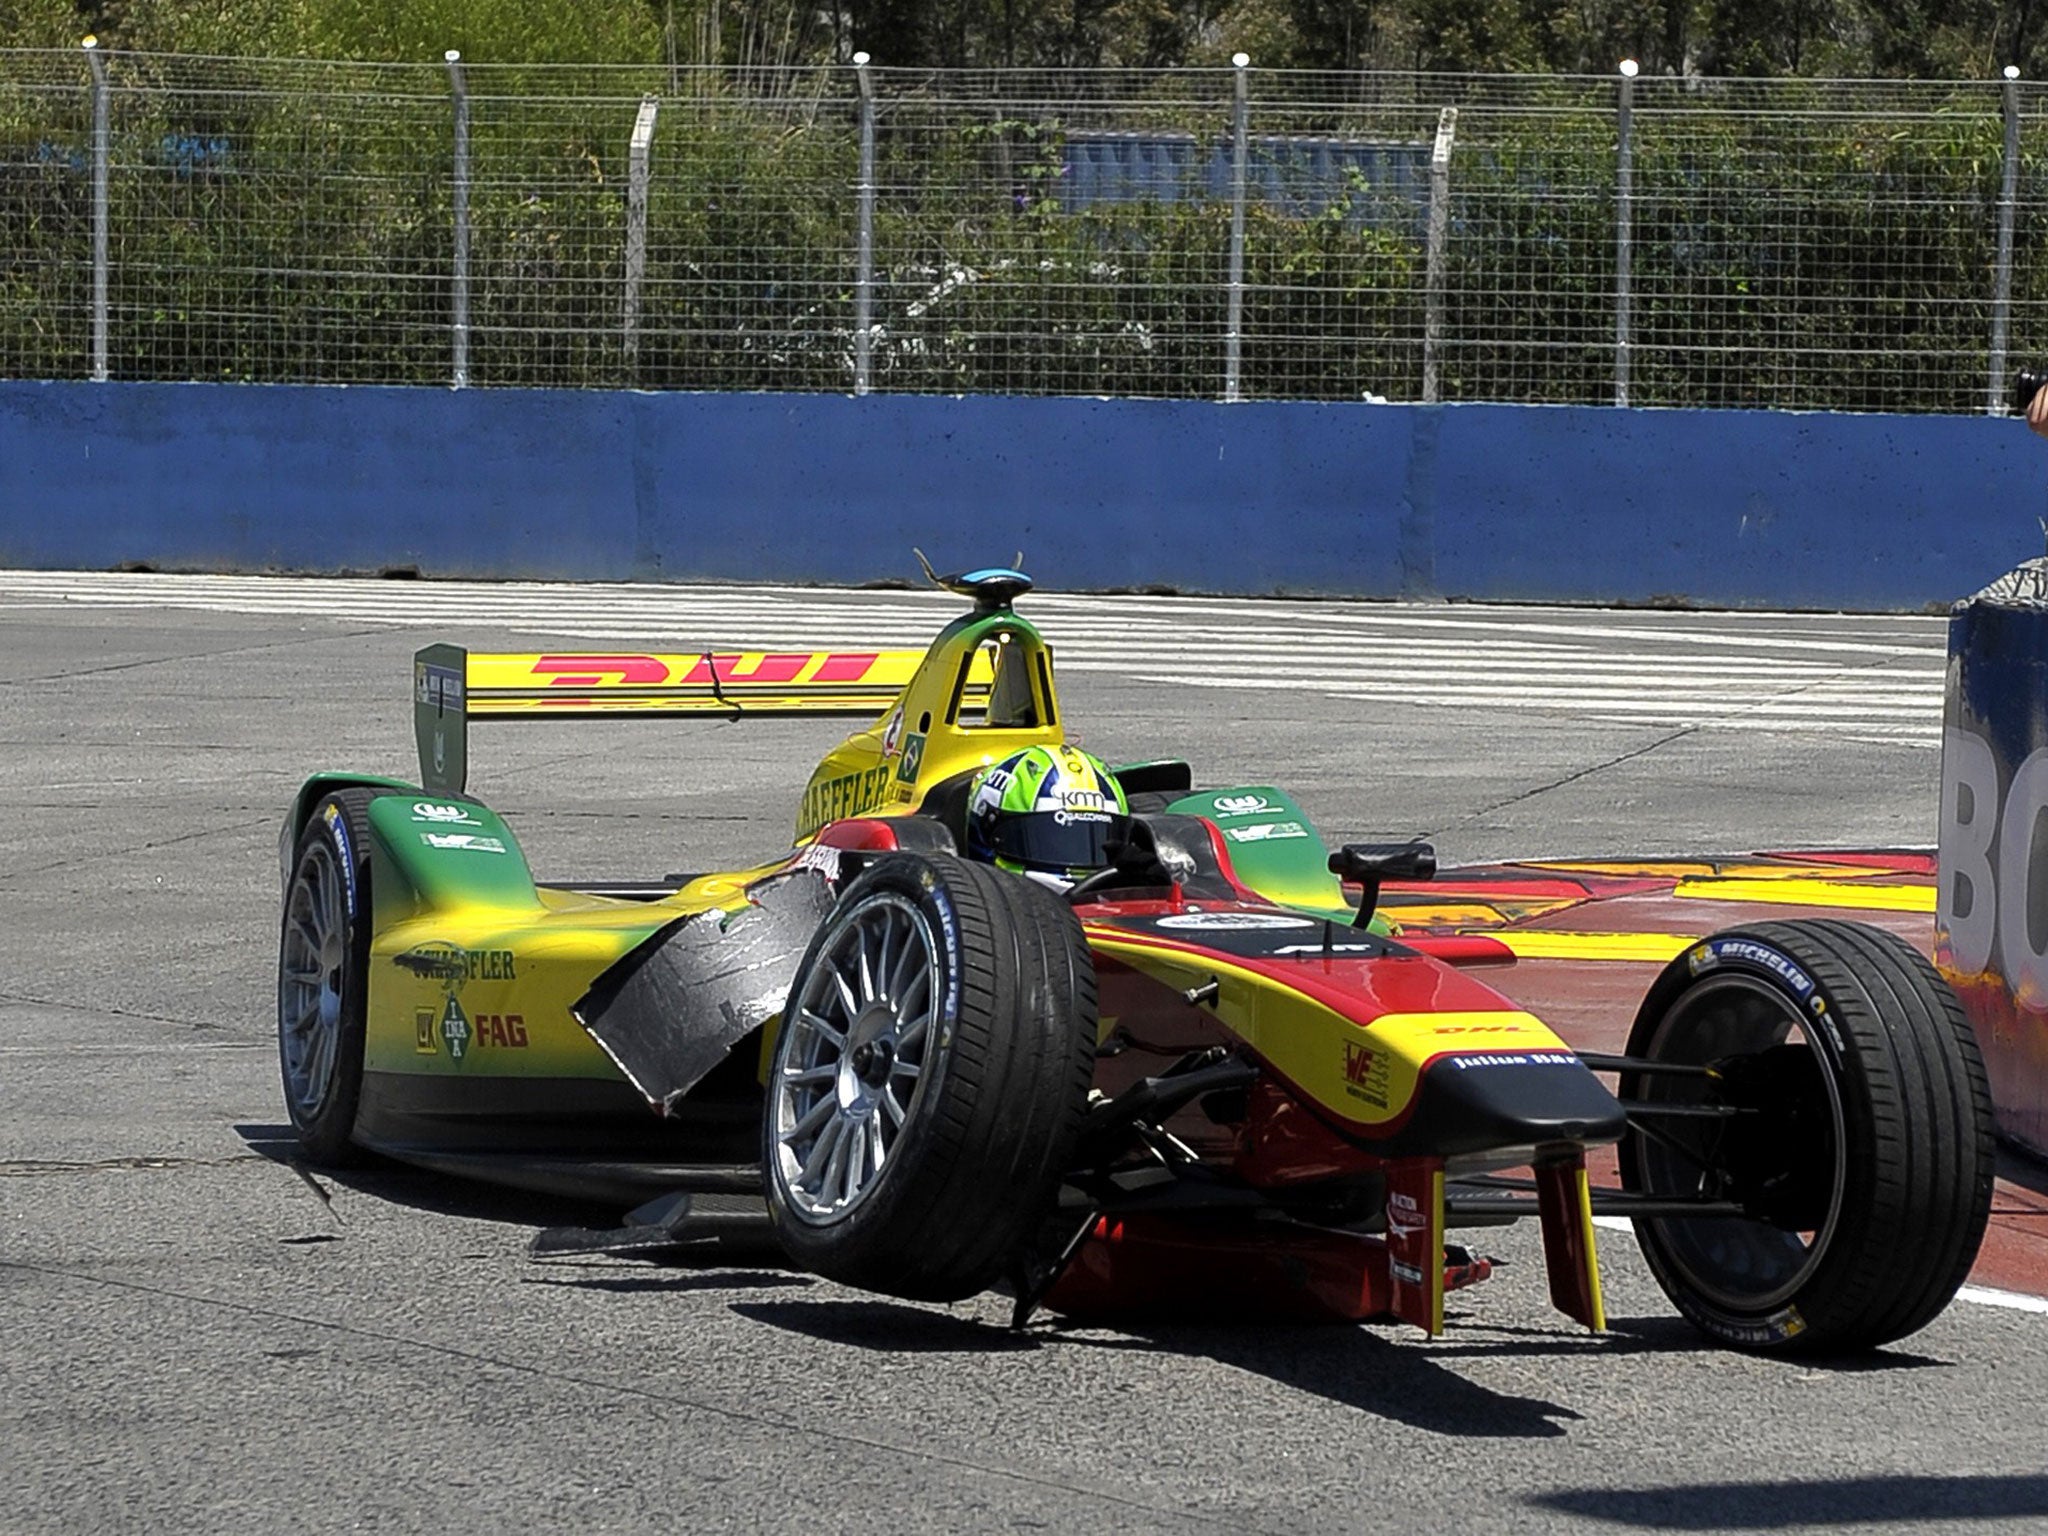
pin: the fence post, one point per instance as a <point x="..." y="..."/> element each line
<point x="864" y="256"/>
<point x="1233" y="325"/>
<point x="461" y="273"/>
<point x="2001" y="277"/>
<point x="1439" y="235"/>
<point x="98" y="64"/>
<point x="1624" y="219"/>
<point x="636" y="231"/>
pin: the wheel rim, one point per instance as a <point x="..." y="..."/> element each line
<point x="850" y="1063"/>
<point x="1742" y="1265"/>
<point x="312" y="968"/>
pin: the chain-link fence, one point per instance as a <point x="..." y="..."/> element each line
<point x="1228" y="234"/>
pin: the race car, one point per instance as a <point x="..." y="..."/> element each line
<point x="1141" y="1048"/>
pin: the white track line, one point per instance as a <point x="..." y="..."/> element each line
<point x="1676" y="670"/>
<point x="1976" y="1295"/>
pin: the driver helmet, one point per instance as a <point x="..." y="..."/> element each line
<point x="1051" y="814"/>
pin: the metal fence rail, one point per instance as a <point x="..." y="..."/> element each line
<point x="1231" y="233"/>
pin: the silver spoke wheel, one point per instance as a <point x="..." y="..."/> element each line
<point x="851" y="1057"/>
<point x="312" y="965"/>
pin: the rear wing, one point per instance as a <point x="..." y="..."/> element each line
<point x="451" y="686"/>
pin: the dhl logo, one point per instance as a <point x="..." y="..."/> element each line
<point x="707" y="669"/>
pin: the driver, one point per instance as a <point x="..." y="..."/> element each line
<point x="1051" y="814"/>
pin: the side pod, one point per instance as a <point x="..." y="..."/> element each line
<point x="671" y="1010"/>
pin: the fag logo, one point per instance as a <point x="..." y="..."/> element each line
<point x="501" y="1031"/>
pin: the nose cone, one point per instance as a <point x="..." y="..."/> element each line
<point x="1472" y="1103"/>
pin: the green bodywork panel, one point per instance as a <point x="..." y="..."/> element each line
<point x="1275" y="849"/>
<point x="443" y="853"/>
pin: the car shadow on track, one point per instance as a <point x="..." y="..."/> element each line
<point x="737" y="1262"/>
<point x="418" y="1189"/>
<point x="1966" y="1501"/>
<point x="1674" y="1335"/>
<point x="1353" y="1366"/>
<point x="638" y="1280"/>
<point x="888" y="1327"/>
<point x="2023" y="1170"/>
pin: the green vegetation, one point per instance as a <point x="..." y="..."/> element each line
<point x="1923" y="39"/>
<point x="1794" y="243"/>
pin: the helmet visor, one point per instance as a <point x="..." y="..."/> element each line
<point x="1059" y="839"/>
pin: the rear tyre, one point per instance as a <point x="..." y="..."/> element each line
<point x="1847" y="1113"/>
<point x="929" y="1078"/>
<point x="323" y="956"/>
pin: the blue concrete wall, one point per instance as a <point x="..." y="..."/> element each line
<point x="1575" y="504"/>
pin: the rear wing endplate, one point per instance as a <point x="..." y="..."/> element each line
<point x="451" y="686"/>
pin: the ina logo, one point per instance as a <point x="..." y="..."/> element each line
<point x="455" y="1029"/>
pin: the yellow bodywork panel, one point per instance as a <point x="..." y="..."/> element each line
<point x="985" y="690"/>
<point x="1366" y="1073"/>
<point x="690" y="682"/>
<point x="483" y="989"/>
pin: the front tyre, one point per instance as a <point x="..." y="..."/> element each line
<point x="322" y="976"/>
<point x="1830" y="1086"/>
<point x="929" y="1078"/>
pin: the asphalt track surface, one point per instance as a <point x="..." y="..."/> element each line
<point x="190" y="1339"/>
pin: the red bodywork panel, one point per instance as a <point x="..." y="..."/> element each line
<point x="1181" y="1268"/>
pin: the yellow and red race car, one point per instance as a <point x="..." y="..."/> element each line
<point x="1204" y="1077"/>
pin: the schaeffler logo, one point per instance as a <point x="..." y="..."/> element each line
<point x="448" y="1027"/>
